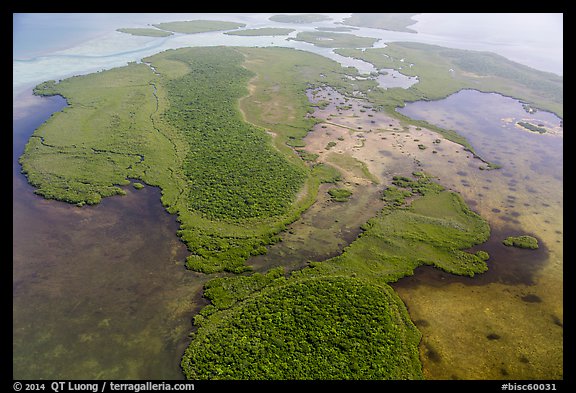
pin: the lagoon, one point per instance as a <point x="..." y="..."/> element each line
<point x="525" y="196"/>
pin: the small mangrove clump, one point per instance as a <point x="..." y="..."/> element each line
<point x="531" y="127"/>
<point x="340" y="194"/>
<point x="524" y="241"/>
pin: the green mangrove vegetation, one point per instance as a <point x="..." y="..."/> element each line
<point x="326" y="173"/>
<point x="271" y="327"/>
<point x="352" y="165"/>
<point x="340" y="194"/>
<point x="147" y="32"/>
<point x="233" y="170"/>
<point x="443" y="71"/>
<point x="198" y="26"/>
<point x="532" y="127"/>
<point x="178" y="128"/>
<point x="338" y="319"/>
<point x="215" y="128"/>
<point x="335" y="40"/>
<point x="395" y="21"/>
<point x="522" y="241"/>
<point x="203" y="125"/>
<point x="199" y="127"/>
<point x="104" y="136"/>
<point x="300" y="18"/>
<point x="423" y="224"/>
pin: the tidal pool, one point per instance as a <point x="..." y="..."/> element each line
<point x="507" y="323"/>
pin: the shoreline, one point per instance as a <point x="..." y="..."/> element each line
<point x="21" y="105"/>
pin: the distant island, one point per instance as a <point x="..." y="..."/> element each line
<point x="532" y="127"/>
<point x="198" y="26"/>
<point x="264" y="31"/>
<point x="335" y="40"/>
<point x="166" y="29"/>
<point x="523" y="241"/>
<point x="301" y="18"/>
<point x="148" y="32"/>
<point x="384" y="21"/>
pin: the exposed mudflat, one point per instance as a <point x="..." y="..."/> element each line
<point x="479" y="328"/>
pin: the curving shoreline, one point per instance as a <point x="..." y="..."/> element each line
<point x="156" y="97"/>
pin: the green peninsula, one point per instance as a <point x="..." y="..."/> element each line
<point x="215" y="129"/>
<point x="184" y="121"/>
<point x="147" y="32"/>
<point x="198" y="26"/>
<point x="443" y="71"/>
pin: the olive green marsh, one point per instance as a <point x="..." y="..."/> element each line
<point x="510" y="318"/>
<point x="508" y="321"/>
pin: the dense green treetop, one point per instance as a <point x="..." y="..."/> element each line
<point x="304" y="328"/>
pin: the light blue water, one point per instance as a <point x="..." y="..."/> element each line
<point x="54" y="46"/>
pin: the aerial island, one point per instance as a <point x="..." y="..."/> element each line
<point x="221" y="131"/>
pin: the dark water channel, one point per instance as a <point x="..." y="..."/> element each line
<point x="99" y="292"/>
<point x="510" y="318"/>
